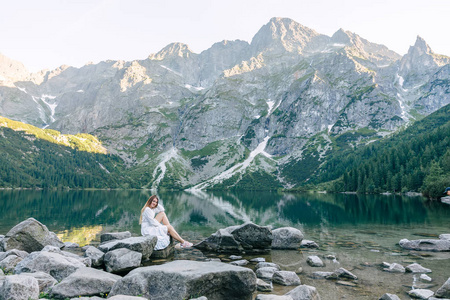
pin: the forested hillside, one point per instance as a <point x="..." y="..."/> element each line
<point x="414" y="159"/>
<point x="33" y="159"/>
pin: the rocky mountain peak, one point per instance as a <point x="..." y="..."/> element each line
<point x="420" y="47"/>
<point x="420" y="59"/>
<point x="341" y="37"/>
<point x="282" y="34"/>
<point x="11" y="70"/>
<point x="173" y="50"/>
<point x="378" y="54"/>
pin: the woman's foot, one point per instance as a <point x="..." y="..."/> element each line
<point x="186" y="244"/>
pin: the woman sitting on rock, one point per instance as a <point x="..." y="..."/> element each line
<point x="154" y="221"/>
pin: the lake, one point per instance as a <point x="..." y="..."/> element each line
<point x="362" y="231"/>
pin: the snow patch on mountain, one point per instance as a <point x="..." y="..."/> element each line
<point x="51" y="106"/>
<point x="194" y="88"/>
<point x="238" y="168"/>
<point x="170" y="70"/>
<point x="164" y="158"/>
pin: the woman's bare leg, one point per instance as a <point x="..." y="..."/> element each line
<point x="174" y="233"/>
<point x="162" y="218"/>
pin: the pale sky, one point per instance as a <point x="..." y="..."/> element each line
<point x="45" y="34"/>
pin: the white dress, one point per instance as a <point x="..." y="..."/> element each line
<point x="150" y="226"/>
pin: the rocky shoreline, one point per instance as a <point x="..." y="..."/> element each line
<point x="35" y="264"/>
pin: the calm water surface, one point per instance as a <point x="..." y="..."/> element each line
<point x="360" y="230"/>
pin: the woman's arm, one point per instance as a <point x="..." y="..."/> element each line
<point x="149" y="217"/>
<point x="159" y="209"/>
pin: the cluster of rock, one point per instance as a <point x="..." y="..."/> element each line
<point x="36" y="262"/>
<point x="269" y="273"/>
<point x="251" y="238"/>
<point x="417" y="292"/>
<point x="435" y="245"/>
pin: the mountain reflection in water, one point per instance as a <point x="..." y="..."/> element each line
<point x="205" y="212"/>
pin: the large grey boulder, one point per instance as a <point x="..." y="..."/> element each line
<point x="122" y="260"/>
<point x="421" y="293"/>
<point x="30" y="235"/>
<point x="444" y="290"/>
<point x="95" y="255"/>
<point x="426" y="245"/>
<point x="416" y="268"/>
<point x="18" y="287"/>
<point x="287" y="238"/>
<point x="111" y="236"/>
<point x="314" y="261"/>
<point x="45" y="281"/>
<point x="15" y="252"/>
<point x="266" y="272"/>
<point x="141" y="244"/>
<point x="253" y="237"/>
<point x="183" y="279"/>
<point x="85" y="260"/>
<point x="304" y="292"/>
<point x="248" y="237"/>
<point x="220" y="241"/>
<point x="55" y="264"/>
<point x="388" y="296"/>
<point x="85" y="282"/>
<point x="286" y="278"/>
<point x="9" y="263"/>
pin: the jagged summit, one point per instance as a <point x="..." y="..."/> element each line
<point x="420" y="47"/>
<point x="341" y="37"/>
<point x="173" y="50"/>
<point x="282" y="34"/>
<point x="378" y="54"/>
<point x="421" y="65"/>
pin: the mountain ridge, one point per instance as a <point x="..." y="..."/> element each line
<point x="185" y="118"/>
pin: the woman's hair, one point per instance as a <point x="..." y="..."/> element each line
<point x="147" y="204"/>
